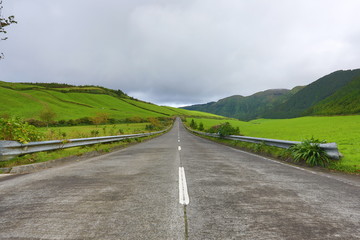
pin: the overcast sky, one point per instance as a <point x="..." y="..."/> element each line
<point x="180" y="52"/>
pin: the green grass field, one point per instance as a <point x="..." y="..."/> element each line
<point x="55" y="133"/>
<point x="344" y="130"/>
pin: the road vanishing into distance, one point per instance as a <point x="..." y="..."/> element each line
<point x="179" y="186"/>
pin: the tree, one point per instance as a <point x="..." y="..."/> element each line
<point x="4" y="22"/>
<point x="47" y="115"/>
<point x="100" y="118"/>
<point x="226" y="129"/>
<point x="193" y="124"/>
<point x="201" y="126"/>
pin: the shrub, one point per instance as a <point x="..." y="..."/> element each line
<point x="224" y="129"/>
<point x="310" y="151"/>
<point x="16" y="129"/>
<point x="36" y="123"/>
<point x="94" y="133"/>
<point x="100" y="118"/>
<point x="193" y="124"/>
<point x="135" y="119"/>
<point x="48" y="116"/>
<point x="201" y="127"/>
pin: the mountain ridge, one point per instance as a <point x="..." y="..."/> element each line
<point x="297" y="102"/>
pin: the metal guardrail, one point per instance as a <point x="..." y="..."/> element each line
<point x="331" y="149"/>
<point x="11" y="149"/>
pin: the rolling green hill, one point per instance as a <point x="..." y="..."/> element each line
<point x="73" y="102"/>
<point x="335" y="94"/>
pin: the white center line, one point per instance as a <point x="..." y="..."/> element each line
<point x="183" y="192"/>
<point x="179" y="148"/>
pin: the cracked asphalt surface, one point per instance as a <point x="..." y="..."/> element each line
<point x="133" y="194"/>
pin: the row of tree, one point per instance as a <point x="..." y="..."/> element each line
<point x="223" y="129"/>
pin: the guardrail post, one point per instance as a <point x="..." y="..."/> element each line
<point x="6" y="150"/>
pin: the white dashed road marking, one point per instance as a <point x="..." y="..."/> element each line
<point x="183" y="192"/>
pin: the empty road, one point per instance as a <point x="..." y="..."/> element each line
<point x="179" y="186"/>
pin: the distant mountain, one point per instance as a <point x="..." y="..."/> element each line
<point x="333" y="94"/>
<point x="246" y="108"/>
<point x="300" y="103"/>
<point x="344" y="101"/>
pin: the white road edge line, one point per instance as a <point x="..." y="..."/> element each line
<point x="183" y="192"/>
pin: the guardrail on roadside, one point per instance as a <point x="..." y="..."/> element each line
<point x="11" y="149"/>
<point x="331" y="149"/>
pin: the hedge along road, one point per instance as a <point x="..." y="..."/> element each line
<point x="179" y="186"/>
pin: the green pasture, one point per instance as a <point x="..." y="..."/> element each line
<point x="344" y="130"/>
<point x="55" y="133"/>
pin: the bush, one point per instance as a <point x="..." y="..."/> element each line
<point x="310" y="151"/>
<point x="36" y="123"/>
<point x="224" y="129"/>
<point x="48" y="116"/>
<point x="15" y="129"/>
<point x="193" y="124"/>
<point x="201" y="127"/>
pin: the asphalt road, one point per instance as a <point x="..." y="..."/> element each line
<point x="134" y="194"/>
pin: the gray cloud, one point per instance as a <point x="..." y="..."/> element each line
<point x="180" y="52"/>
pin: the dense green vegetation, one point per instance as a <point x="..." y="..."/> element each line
<point x="334" y="94"/>
<point x="16" y="129"/>
<point x="343" y="130"/>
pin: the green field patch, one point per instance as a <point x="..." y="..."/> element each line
<point x="343" y="130"/>
<point x="57" y="133"/>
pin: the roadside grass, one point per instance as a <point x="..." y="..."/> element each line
<point x="343" y="130"/>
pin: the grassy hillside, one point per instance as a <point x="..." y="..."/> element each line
<point x="74" y="102"/>
<point x="344" y="101"/>
<point x="344" y="130"/>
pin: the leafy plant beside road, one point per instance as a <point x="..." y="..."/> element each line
<point x="310" y="152"/>
<point x="224" y="129"/>
<point x="16" y="129"/>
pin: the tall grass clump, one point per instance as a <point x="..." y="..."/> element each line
<point x="310" y="152"/>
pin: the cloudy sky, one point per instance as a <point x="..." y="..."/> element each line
<point x="180" y="52"/>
